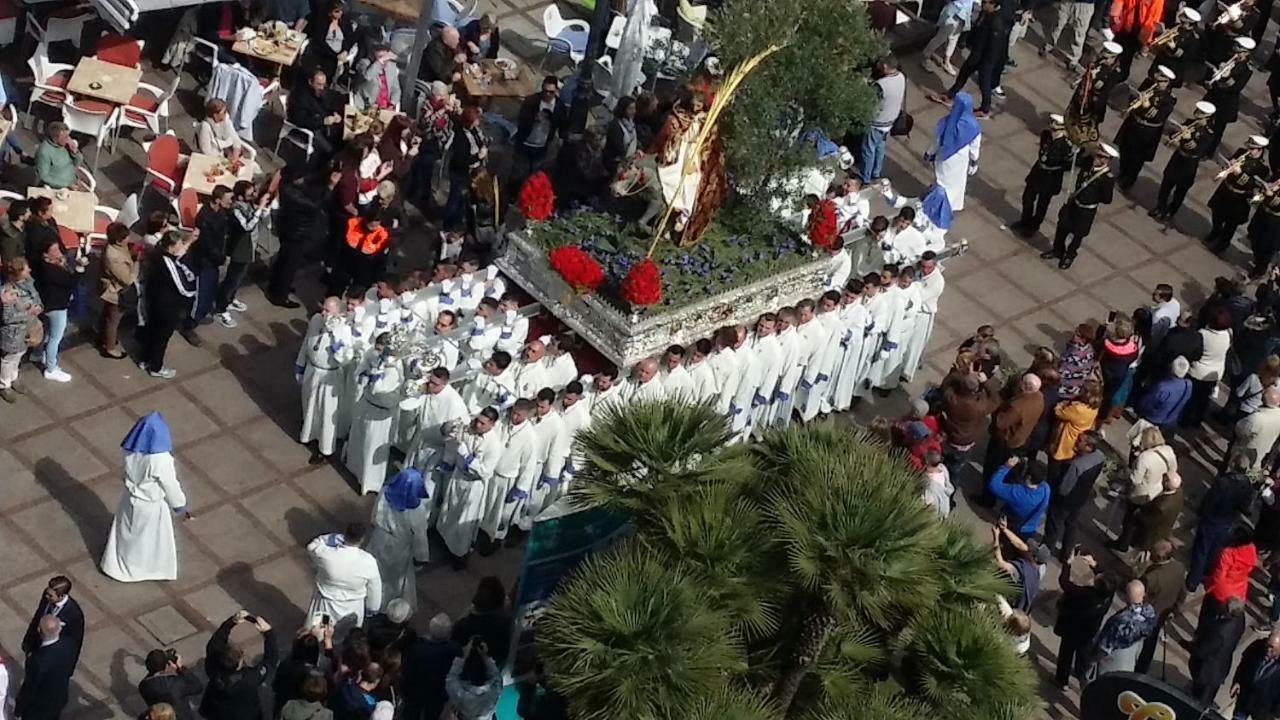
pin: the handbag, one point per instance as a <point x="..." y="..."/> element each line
<point x="903" y="124"/>
<point x="35" y="332"/>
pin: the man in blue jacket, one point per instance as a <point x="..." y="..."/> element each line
<point x="1025" y="502"/>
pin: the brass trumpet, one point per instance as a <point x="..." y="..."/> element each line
<point x="1143" y="98"/>
<point x="1233" y="168"/>
<point x="1230" y="13"/>
<point x="1185" y="131"/>
<point x="1223" y="70"/>
<point x="1163" y="39"/>
<point x="1268" y="189"/>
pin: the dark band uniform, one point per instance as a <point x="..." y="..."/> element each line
<point x="1094" y="187"/>
<point x="1044" y="181"/>
<point x="1088" y="108"/>
<point x="1264" y="231"/>
<point x="1180" y="171"/>
<point x="1177" y="55"/>
<point x="1219" y="41"/>
<point x="1230" y="202"/>
<point x="1225" y="95"/>
<point x="1141" y="131"/>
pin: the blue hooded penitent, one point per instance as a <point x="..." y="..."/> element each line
<point x="406" y="490"/>
<point x="149" y="436"/>
<point x="825" y="147"/>
<point x="936" y="206"/>
<point x="958" y="128"/>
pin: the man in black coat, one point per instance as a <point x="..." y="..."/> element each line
<point x="540" y="119"/>
<point x="1256" y="685"/>
<point x="233" y="691"/>
<point x="391" y="629"/>
<point x="426" y="664"/>
<point x="1230" y="495"/>
<point x="304" y="201"/>
<point x="988" y="48"/>
<point x="169" y="681"/>
<point x="49" y="667"/>
<point x="309" y="109"/>
<point x="1213" y="647"/>
<point x="443" y="57"/>
<point x="57" y="600"/>
<point x="1070" y="491"/>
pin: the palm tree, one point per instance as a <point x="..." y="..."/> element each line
<point x="960" y="662"/>
<point x="640" y="455"/>
<point x="879" y="704"/>
<point x="965" y="570"/>
<point x="731" y="704"/>
<point x="630" y="637"/>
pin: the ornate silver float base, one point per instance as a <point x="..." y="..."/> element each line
<point x="626" y="338"/>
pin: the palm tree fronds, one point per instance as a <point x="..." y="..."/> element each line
<point x="966" y="569"/>
<point x="961" y="663"/>
<point x="629" y="636"/>
<point x="639" y="454"/>
<point x="733" y="703"/>
<point x="878" y="704"/>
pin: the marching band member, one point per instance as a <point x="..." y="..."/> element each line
<point x="1264" y="229"/>
<point x="1095" y="185"/>
<point x="1143" y="125"/>
<point x="1179" y="45"/>
<point x="1243" y="176"/>
<point x="1190" y="144"/>
<point x="1044" y="180"/>
<point x="1223" y="87"/>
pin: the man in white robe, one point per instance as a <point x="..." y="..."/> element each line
<point x="369" y="449"/>
<point x="643" y="383"/>
<point x="467" y="468"/>
<point x="441" y="407"/>
<point x="903" y="242"/>
<point x="853" y="206"/>
<point x="554" y="445"/>
<point x="675" y="379"/>
<point x="929" y="286"/>
<point x="882" y="306"/>
<point x="603" y="391"/>
<point x="515" y="329"/>
<point x="435" y="299"/>
<point x="886" y="374"/>
<point x="726" y="367"/>
<point x="348" y="585"/>
<point x="535" y="370"/>
<point x="493" y="386"/>
<point x="792" y="367"/>
<point x="486" y="328"/>
<point x="362" y="321"/>
<point x="851" y="346"/>
<point x="811" y="337"/>
<point x="398" y="535"/>
<point x="140" y="545"/>
<point x="325" y="350"/>
<point x="575" y="417"/>
<point x="935" y="236"/>
<point x="760" y="358"/>
<point x="563" y="368"/>
<point x="815" y="384"/>
<point x="841" y="266"/>
<point x="517" y="471"/>
<point x="702" y="377"/>
<point x="767" y="404"/>
<point x="448" y="348"/>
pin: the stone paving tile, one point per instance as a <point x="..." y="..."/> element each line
<point x="73" y="398"/>
<point x="222" y="393"/>
<point x="166" y="625"/>
<point x="230" y="536"/>
<point x="19" y="559"/>
<point x="230" y="467"/>
<point x="124" y="599"/>
<point x="186" y="421"/>
<point x="1122" y="293"/>
<point x="105" y="429"/>
<point x="281" y="450"/>
<point x="58" y="457"/>
<point x="290" y="513"/>
<point x="20" y="484"/>
<point x="26" y="414"/>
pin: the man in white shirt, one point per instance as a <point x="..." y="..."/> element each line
<point x="534" y="371"/>
<point x="467" y="474"/>
<point x="575" y="416"/>
<point x="841" y="266"/>
<point x="853" y="208"/>
<point x="929" y="287"/>
<point x="903" y="244"/>
<point x="816" y="383"/>
<point x="887" y="373"/>
<point x="767" y="405"/>
<point x="515" y="329"/>
<point x="348" y="585"/>
<point x="643" y="383"/>
<point x="1165" y="310"/>
<point x="485" y="330"/>
<point x="882" y="309"/>
<point x="701" y="376"/>
<point x="725" y="365"/>
<point x="851" y="367"/>
<point x="563" y="368"/>
<point x="811" y="340"/>
<point x="325" y="350"/>
<point x="674" y="377"/>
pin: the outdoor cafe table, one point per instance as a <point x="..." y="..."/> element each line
<point x="73" y="212"/>
<point x="524" y="85"/>
<point x="197" y="177"/>
<point x="104" y="81"/>
<point x="351" y="127"/>
<point x="273" y="51"/>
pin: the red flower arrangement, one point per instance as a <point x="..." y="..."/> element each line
<point x="822" y="225"/>
<point x="643" y="284"/>
<point x="577" y="268"/>
<point x="537" y="199"/>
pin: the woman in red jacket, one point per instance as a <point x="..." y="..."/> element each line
<point x="1230" y="575"/>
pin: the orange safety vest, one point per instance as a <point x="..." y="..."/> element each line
<point x="369" y="242"/>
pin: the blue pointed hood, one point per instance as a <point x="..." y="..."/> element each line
<point x="406" y="490"/>
<point x="149" y="436"/>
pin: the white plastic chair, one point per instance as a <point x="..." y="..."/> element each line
<point x="9" y="197"/>
<point x="148" y="113"/>
<point x="129" y="213"/>
<point x="614" y="38"/>
<point x="50" y="79"/>
<point x="86" y="178"/>
<point x="58" y="29"/>
<point x="299" y="137"/>
<point x="574" y="33"/>
<point x="98" y="124"/>
<point x="109" y="214"/>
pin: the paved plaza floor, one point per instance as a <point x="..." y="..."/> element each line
<point x="234" y="407"/>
